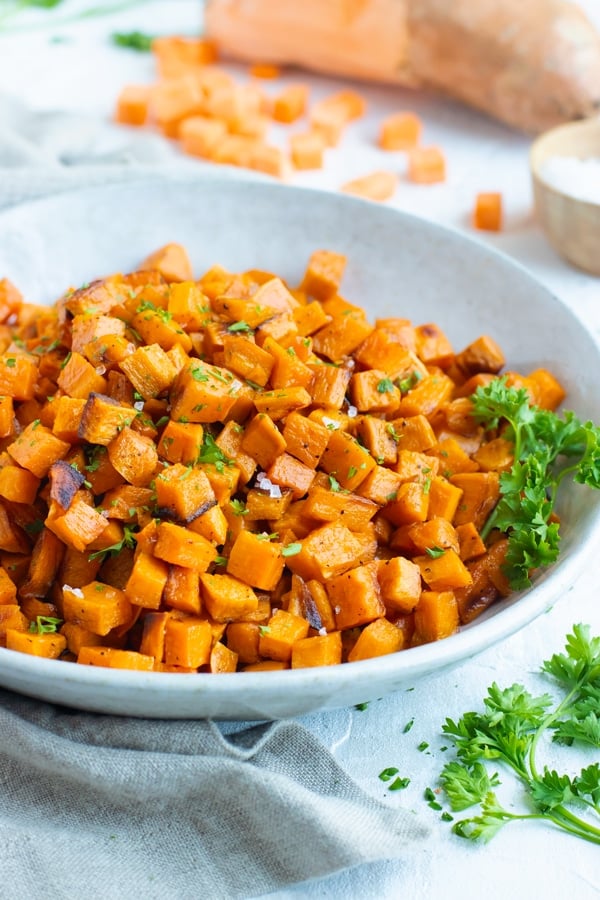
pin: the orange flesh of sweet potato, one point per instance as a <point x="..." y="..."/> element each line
<point x="237" y="474"/>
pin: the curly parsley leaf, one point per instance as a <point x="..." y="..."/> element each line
<point x="510" y="730"/>
<point x="547" y="448"/>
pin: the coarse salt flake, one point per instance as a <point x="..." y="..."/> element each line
<point x="77" y="592"/>
<point x="352" y="412"/>
<point x="579" y="178"/>
<point x="139" y="405"/>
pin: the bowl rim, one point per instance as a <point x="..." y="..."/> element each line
<point x="420" y="661"/>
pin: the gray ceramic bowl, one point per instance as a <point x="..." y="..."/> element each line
<point x="398" y="265"/>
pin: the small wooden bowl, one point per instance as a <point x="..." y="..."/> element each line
<point x="571" y="225"/>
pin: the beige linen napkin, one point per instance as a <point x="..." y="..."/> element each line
<point x="115" y="808"/>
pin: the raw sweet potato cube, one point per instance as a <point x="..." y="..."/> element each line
<point x="307" y="150"/>
<point x="400" y="131"/>
<point x="290" y="104"/>
<point x="320" y="650"/>
<point x="132" y="105"/>
<point x="378" y="186"/>
<point x="200" y="135"/>
<point x="487" y="212"/>
<point x="426" y="165"/>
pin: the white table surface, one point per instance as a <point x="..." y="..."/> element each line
<point x="83" y="73"/>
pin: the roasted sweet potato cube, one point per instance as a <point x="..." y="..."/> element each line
<point x="19" y="485"/>
<point x="378" y="638"/>
<point x="227" y="598"/>
<point x="291" y="474"/>
<point x="400" y="584"/>
<point x="263" y="441"/>
<point x="320" y="650"/>
<point x="222" y="659"/>
<point x="342" y="335"/>
<point x="182" y="547"/>
<point x="150" y="370"/>
<point x="278" y="404"/>
<point x="112" y="658"/>
<point x="147" y="581"/>
<point x="346" y="460"/>
<point x="172" y="261"/>
<point x="410" y="505"/>
<point x="184" y="493"/>
<point x="79" y="525"/>
<point x="78" y="377"/>
<point x="96" y="606"/>
<point x="18" y="375"/>
<point x="353" y="511"/>
<point x="280" y="634"/>
<point x="36" y="449"/>
<point x="480" y="493"/>
<point x="355" y="596"/>
<point x="323" y="274"/>
<point x="326" y="552"/>
<point x="203" y="393"/>
<point x="436" y="616"/>
<point x="11" y="617"/>
<point x="242" y="638"/>
<point x="153" y="635"/>
<point x="435" y="533"/>
<point x="181" y="442"/>
<point x="256" y="562"/>
<point x="470" y="543"/>
<point x="188" y="642"/>
<point x="47" y="645"/>
<point x="102" y="418"/>
<point x="244" y="357"/>
<point x="444" y="498"/>
<point x="8" y="588"/>
<point x="134" y="456"/>
<point x="444" y="571"/>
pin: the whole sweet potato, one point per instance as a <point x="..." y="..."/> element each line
<point x="531" y="64"/>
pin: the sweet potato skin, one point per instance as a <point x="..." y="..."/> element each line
<point x="494" y="60"/>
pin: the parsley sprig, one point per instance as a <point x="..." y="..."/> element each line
<point x="510" y="731"/>
<point x="547" y="449"/>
